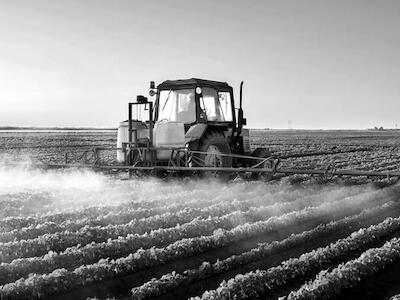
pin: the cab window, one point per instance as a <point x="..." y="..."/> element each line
<point x="216" y="105"/>
<point x="226" y="105"/>
<point x="177" y="105"/>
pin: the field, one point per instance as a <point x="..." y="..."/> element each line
<point x="77" y="234"/>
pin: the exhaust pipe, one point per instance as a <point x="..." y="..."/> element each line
<point x="241" y="96"/>
<point x="241" y="120"/>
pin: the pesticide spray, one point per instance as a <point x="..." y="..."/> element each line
<point x="26" y="191"/>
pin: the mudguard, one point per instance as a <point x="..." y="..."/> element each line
<point x="195" y="132"/>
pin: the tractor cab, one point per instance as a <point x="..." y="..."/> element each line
<point x="195" y="101"/>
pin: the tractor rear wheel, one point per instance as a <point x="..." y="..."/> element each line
<point x="214" y="144"/>
<point x="262" y="153"/>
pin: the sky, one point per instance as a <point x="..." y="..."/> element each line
<point x="305" y="63"/>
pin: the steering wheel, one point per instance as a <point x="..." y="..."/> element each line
<point x="165" y="119"/>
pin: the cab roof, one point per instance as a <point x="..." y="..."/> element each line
<point x="193" y="83"/>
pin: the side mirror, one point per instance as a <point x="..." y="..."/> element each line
<point x="152" y="91"/>
<point x="244" y="121"/>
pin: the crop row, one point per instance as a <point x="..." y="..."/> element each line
<point x="61" y="240"/>
<point x="368" y="160"/>
<point x="57" y="216"/>
<point x="172" y="281"/>
<point x="329" y="284"/>
<point x="76" y="256"/>
<point x="122" y="218"/>
<point x="58" y="241"/>
<point x="257" y="283"/>
<point x="43" y="244"/>
<point x="166" y="202"/>
<point x="75" y="231"/>
<point x="59" y="237"/>
<point x="62" y="279"/>
<point x="124" y="213"/>
<point x="110" y="216"/>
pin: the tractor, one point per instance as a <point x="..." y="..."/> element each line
<point x="193" y="125"/>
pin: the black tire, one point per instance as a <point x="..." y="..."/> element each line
<point x="214" y="143"/>
<point x="261" y="153"/>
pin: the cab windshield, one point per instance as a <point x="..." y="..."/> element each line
<point x="177" y="105"/>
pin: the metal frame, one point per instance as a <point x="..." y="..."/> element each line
<point x="127" y="147"/>
<point x="180" y="160"/>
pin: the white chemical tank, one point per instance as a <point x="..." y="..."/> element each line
<point x="168" y="134"/>
<point x="123" y="137"/>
